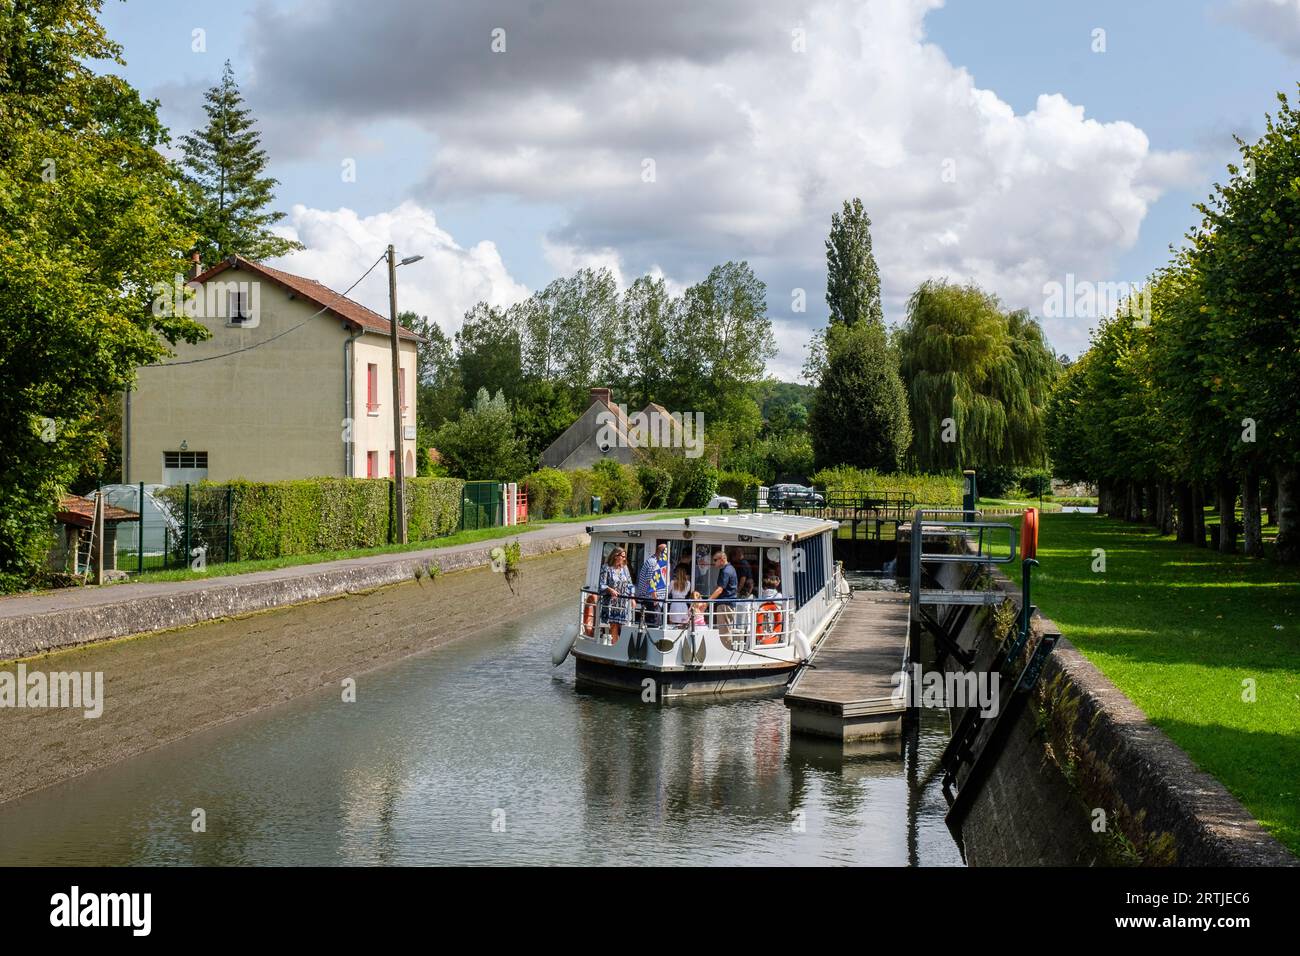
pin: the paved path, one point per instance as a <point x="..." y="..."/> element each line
<point x="52" y="620"/>
<point x="23" y="605"/>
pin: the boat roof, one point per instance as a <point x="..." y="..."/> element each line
<point x="759" y="527"/>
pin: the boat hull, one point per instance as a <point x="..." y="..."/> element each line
<point x="631" y="678"/>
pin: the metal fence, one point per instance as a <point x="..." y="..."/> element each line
<point x="193" y="532"/>
<point x="482" y="504"/>
<point x="181" y="528"/>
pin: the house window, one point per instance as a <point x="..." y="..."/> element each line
<point x="392" y="465"/>
<point x="185" y="459"/>
<point x="184" y="467"/>
<point x="372" y="464"/>
<point x="372" y="388"/>
<point x="239" y="307"/>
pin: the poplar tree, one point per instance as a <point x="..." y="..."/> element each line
<point x="226" y="168"/>
<point x="852" y="279"/>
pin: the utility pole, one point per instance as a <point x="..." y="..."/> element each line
<point x="399" y="483"/>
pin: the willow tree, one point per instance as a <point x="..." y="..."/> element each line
<point x="977" y="379"/>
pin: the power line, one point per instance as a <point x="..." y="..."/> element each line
<point x="249" y="348"/>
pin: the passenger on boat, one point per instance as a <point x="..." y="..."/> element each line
<point x="615" y="593"/>
<point x="698" y="610"/>
<point x="725" y="593"/>
<point x="743" y="618"/>
<point x="652" y="585"/>
<point x="679" y="592"/>
<point x="771" y="588"/>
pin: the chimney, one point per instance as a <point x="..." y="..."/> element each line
<point x="602" y="395"/>
<point x="196" y="267"/>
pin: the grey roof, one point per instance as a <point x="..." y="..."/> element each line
<point x="765" y="527"/>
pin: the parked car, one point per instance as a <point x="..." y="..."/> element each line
<point x="722" y="501"/>
<point x="794" y="496"/>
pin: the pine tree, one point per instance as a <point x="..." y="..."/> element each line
<point x="852" y="279"/>
<point x="225" y="164"/>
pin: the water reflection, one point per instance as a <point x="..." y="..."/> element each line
<point x="475" y="753"/>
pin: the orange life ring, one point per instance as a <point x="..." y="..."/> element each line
<point x="769" y="623"/>
<point x="589" y="616"/>
<point x="1029" y="534"/>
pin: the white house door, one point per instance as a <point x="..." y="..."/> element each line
<point x="184" y="467"/>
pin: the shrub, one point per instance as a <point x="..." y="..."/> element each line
<point x="695" y="484"/>
<point x="656" y="484"/>
<point x="995" y="481"/>
<point x="616" y="484"/>
<point x="582" y="484"/>
<point x="1034" y="482"/>
<point x="926" y="489"/>
<point x="549" y="491"/>
<point x="739" y="485"/>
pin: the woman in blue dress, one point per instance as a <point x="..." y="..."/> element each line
<point x="615" y="593"/>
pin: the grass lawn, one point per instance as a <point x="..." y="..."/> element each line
<point x="1047" y="503"/>
<point x="1179" y="629"/>
<point x="461" y="537"/>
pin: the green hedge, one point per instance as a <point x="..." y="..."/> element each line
<point x="927" y="489"/>
<point x="549" y="491"/>
<point x="739" y="485"/>
<point x="280" y="518"/>
<point x="617" y="485"/>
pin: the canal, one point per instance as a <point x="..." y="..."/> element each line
<point x="478" y="753"/>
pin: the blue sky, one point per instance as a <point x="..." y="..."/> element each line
<point x="510" y="168"/>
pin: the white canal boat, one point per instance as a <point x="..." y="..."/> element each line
<point x="748" y="599"/>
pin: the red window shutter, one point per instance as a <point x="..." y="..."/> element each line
<point x="372" y="464"/>
<point x="392" y="465"/>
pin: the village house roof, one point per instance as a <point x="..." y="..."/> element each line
<point x="323" y="297"/>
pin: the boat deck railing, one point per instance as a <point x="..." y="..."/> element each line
<point x="748" y="623"/>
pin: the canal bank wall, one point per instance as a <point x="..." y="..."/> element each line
<point x="165" y="686"/>
<point x="1086" y="779"/>
<point x="72" y="618"/>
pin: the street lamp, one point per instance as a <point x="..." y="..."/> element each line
<point x="399" y="478"/>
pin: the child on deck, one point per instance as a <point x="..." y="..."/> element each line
<point x="698" y="609"/>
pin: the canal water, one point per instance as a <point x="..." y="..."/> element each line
<point x="479" y="753"/>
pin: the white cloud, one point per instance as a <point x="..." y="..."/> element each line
<point x="755" y="145"/>
<point x="1274" y="21"/>
<point x="449" y="281"/>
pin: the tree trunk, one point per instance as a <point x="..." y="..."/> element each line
<point x="1288" y="513"/>
<point x="1253" y="544"/>
<point x="1198" y="514"/>
<point x="1186" y="523"/>
<point x="1134" y="511"/>
<point x="1226" y="493"/>
<point x="1270" y="499"/>
<point x="1152" y="511"/>
<point x="1166" y="507"/>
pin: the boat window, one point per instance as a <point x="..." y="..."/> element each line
<point x="705" y="576"/>
<point x="809" y="570"/>
<point x="635" y="553"/>
<point x="771" y="567"/>
<point x="747" y="562"/>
